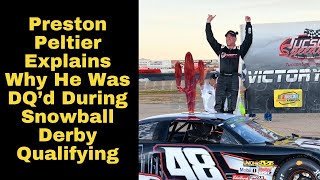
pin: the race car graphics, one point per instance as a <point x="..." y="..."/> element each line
<point x="141" y="157"/>
<point x="240" y="177"/>
<point x="234" y="162"/>
<point x="145" y="176"/>
<point x="265" y="163"/>
<point x="189" y="162"/>
<point x="247" y="177"/>
<point x="257" y="177"/>
<point x="247" y="163"/>
<point x="308" y="143"/>
<point x="263" y="169"/>
<point x="149" y="162"/>
<point x="248" y="170"/>
<point x="171" y="158"/>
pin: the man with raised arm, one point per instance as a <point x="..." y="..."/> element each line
<point x="230" y="62"/>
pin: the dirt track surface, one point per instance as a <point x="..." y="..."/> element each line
<point x="162" y="98"/>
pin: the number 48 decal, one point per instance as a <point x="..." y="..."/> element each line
<point x="189" y="162"/>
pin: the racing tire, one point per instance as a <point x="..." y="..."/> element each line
<point x="299" y="168"/>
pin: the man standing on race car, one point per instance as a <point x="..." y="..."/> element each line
<point x="230" y="58"/>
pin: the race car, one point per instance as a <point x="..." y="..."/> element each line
<point x="218" y="146"/>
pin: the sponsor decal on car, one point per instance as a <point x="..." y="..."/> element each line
<point x="265" y="170"/>
<point x="240" y="177"/>
<point x="248" y="170"/>
<point x="247" y="163"/>
<point x="266" y="163"/>
<point x="257" y="177"/>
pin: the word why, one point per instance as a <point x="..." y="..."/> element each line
<point x="96" y="79"/>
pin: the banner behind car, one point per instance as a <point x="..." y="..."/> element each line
<point x="284" y="56"/>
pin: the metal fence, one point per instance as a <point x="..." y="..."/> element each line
<point x="157" y="85"/>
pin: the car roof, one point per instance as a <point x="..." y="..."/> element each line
<point x="188" y="116"/>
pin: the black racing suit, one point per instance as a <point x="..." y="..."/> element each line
<point x="228" y="81"/>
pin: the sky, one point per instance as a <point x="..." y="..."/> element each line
<point x="168" y="29"/>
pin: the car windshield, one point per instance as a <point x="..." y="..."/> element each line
<point x="251" y="131"/>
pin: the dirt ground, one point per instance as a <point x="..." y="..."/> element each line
<point x="161" y="97"/>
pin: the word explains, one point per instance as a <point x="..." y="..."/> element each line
<point x="74" y="77"/>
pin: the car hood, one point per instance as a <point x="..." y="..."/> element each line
<point x="312" y="143"/>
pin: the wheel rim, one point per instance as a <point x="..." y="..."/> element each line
<point x="302" y="174"/>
